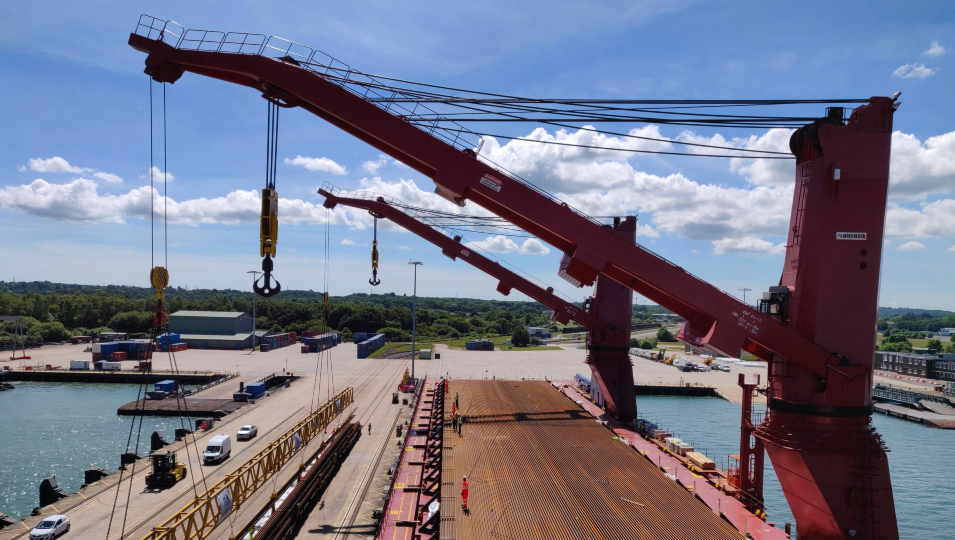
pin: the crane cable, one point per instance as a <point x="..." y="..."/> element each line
<point x="269" y="221"/>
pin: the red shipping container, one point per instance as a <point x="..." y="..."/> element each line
<point x="304" y="349"/>
<point x="96" y="357"/>
<point x="118" y="355"/>
<point x="309" y="333"/>
<point x="145" y="366"/>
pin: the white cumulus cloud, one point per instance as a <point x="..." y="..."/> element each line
<point x="404" y="248"/>
<point x="109" y="178"/>
<point x="322" y="164"/>
<point x="913" y="71"/>
<point x="747" y="244"/>
<point x="533" y="246"/>
<point x="347" y="242"/>
<point x="54" y="164"/>
<point x="934" y="50"/>
<point x="918" y="169"/>
<point x="371" y="167"/>
<point x="160" y="177"/>
<point x="912" y="245"/>
<point x="496" y="244"/>
<point x="79" y="201"/>
<point x="951" y="248"/>
<point x="929" y="220"/>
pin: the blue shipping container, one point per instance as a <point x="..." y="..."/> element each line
<point x="166" y="386"/>
<point x="256" y="389"/>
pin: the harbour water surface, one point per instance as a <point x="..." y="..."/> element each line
<point x="64" y="429"/>
<point x="918" y="460"/>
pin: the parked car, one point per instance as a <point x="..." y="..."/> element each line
<point x="246" y="432"/>
<point x="722" y="367"/>
<point x="218" y="449"/>
<point x="51" y="527"/>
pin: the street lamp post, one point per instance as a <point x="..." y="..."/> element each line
<point x="255" y="274"/>
<point x="414" y="316"/>
<point x="744" y="289"/>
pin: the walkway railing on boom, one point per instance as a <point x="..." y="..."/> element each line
<point x="359" y="83"/>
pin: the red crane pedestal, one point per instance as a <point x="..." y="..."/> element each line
<point x="749" y="479"/>
<point x="609" y="359"/>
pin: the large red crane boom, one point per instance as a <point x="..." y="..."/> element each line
<point x="816" y="328"/>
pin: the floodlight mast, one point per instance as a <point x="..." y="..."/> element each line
<point x="816" y="328"/>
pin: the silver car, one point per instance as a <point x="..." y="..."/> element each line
<point x="50" y="528"/>
<point x="246" y="432"/>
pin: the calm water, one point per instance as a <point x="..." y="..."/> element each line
<point x="922" y="476"/>
<point x="63" y="429"/>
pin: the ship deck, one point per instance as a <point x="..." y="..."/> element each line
<point x="540" y="467"/>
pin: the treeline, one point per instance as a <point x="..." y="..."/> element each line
<point x="923" y="321"/>
<point x="55" y="311"/>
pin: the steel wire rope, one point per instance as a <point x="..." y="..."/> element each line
<point x="591" y="103"/>
<point x="754" y="122"/>
<point x="165" y="182"/>
<point x="630" y="150"/>
<point x="640" y="137"/>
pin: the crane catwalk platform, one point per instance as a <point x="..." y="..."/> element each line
<point x="538" y="466"/>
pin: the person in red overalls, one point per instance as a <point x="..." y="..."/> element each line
<point x="464" y="495"/>
<point x="445" y="386"/>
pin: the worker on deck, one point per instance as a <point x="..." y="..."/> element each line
<point x="456" y="402"/>
<point x="464" y="495"/>
<point x="460" y="424"/>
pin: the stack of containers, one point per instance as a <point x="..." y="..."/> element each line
<point x="360" y="336"/>
<point x="370" y="345"/>
<point x="319" y="342"/>
<point x="277" y="341"/>
<point x="117" y="356"/>
<point x="673" y="444"/>
<point x="166" y="386"/>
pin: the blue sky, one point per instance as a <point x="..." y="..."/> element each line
<point x="75" y="91"/>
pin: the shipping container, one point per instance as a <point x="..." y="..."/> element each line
<point x="97" y="357"/>
<point x="117" y="356"/>
<point x="79" y="365"/>
<point x="369" y="346"/>
<point x="97" y="347"/>
<point x="112" y="366"/>
<point x="166" y="386"/>
<point x="305" y="349"/>
<point x="256" y="389"/>
<point x="360" y="336"/>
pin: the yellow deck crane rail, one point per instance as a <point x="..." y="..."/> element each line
<point x="199" y="518"/>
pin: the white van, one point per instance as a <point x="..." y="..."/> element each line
<point x="218" y="449"/>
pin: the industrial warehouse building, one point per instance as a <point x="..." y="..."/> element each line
<point x="214" y="329"/>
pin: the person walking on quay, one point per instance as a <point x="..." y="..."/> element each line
<point x="369" y="428"/>
<point x="456" y="402"/>
<point x="460" y="424"/>
<point x="464" y="496"/>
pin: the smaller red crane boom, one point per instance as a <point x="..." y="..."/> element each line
<point x="507" y="280"/>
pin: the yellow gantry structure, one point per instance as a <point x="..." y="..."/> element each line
<point x="199" y="518"/>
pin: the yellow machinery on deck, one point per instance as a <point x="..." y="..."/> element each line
<point x="166" y="471"/>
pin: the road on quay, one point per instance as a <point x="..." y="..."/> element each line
<point x="371" y="379"/>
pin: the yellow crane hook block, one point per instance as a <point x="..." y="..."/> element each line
<point x="269" y="224"/>
<point x="159" y="278"/>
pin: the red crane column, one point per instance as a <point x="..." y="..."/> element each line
<point x="829" y="459"/>
<point x="609" y="360"/>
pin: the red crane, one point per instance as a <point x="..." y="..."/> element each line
<point x="816" y="328"/>
<point x="608" y="343"/>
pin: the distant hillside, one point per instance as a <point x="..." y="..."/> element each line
<point x="889" y="312"/>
